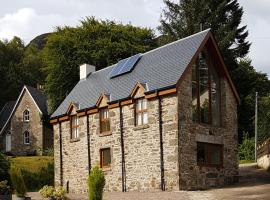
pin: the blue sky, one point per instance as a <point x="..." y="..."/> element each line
<point x="29" y="18"/>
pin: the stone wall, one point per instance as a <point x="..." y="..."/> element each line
<point x="142" y="150"/>
<point x="191" y="175"/>
<point x="18" y="127"/>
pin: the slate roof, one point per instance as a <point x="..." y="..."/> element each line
<point x="39" y="97"/>
<point x="5" y="112"/>
<point x="159" y="68"/>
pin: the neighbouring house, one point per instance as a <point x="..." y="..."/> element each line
<point x="263" y="154"/>
<point x="24" y="125"/>
<point x="162" y="120"/>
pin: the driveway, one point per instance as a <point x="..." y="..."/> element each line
<point x="254" y="184"/>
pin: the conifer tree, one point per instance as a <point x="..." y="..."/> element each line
<point x="223" y="17"/>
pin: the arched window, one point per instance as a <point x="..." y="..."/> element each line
<point x="26" y="137"/>
<point x="26" y="116"/>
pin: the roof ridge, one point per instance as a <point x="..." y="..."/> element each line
<point x="180" y="40"/>
<point x="176" y="41"/>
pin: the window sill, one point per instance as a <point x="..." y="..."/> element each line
<point x="27" y="144"/>
<point x="106" y="169"/>
<point x="145" y="126"/>
<point x="107" y="133"/>
<point x="75" y="140"/>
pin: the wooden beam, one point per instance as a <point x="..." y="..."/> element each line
<point x="167" y="92"/>
<point x="64" y="118"/>
<point x="53" y="121"/>
<point x="92" y="111"/>
<point x="115" y="105"/>
<point x="126" y="102"/>
<point x="80" y="114"/>
<point x="152" y="95"/>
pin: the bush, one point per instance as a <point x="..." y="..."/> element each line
<point x="4" y="188"/>
<point x="17" y="181"/>
<point x="53" y="193"/>
<point x="247" y="148"/>
<point x="96" y="183"/>
<point x="4" y="163"/>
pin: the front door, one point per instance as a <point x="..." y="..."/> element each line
<point x="8" y="142"/>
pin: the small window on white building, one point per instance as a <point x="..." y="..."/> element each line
<point x="74" y="127"/>
<point x="26" y="116"/>
<point x="26" y="137"/>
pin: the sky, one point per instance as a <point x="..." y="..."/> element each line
<point x="30" y="18"/>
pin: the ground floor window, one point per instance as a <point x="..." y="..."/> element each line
<point x="105" y="157"/>
<point x="26" y="137"/>
<point x="209" y="154"/>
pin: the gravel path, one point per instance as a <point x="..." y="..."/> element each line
<point x="254" y="184"/>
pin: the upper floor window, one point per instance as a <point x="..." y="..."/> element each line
<point x="205" y="92"/>
<point x="74" y="127"/>
<point x="141" y="112"/>
<point x="26" y="137"/>
<point x="209" y="154"/>
<point x="26" y="116"/>
<point x="104" y="120"/>
<point x="105" y="157"/>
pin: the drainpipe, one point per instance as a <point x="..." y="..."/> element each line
<point x="88" y="144"/>
<point x="122" y="150"/>
<point x="61" y="154"/>
<point x="162" y="185"/>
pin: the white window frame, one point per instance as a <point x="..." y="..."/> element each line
<point x="26" y="115"/>
<point x="141" y="112"/>
<point x="74" y="127"/>
<point x="26" y="137"/>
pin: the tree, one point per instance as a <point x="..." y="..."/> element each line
<point x="97" y="42"/>
<point x="223" y="17"/>
<point x="263" y="118"/>
<point x="248" y="82"/>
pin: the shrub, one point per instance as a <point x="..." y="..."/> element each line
<point x="17" y="181"/>
<point x="247" y="148"/>
<point x="53" y="193"/>
<point x="96" y="183"/>
<point x="4" y="188"/>
<point x="4" y="163"/>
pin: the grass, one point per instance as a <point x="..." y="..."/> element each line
<point x="31" y="163"/>
<point x="246" y="161"/>
<point x="37" y="171"/>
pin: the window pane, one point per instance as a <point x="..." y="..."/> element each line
<point x="145" y="118"/>
<point x="204" y="88"/>
<point x="215" y="155"/>
<point x="194" y="94"/>
<point x="139" y="118"/>
<point x="215" y="97"/>
<point x="201" y="153"/>
<point x="144" y="104"/>
<point x="139" y="105"/>
<point x="106" y="157"/>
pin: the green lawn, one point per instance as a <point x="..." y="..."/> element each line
<point x="246" y="161"/>
<point x="31" y="163"/>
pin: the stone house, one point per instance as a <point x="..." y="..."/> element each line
<point x="162" y="120"/>
<point x="23" y="126"/>
<point x="263" y="154"/>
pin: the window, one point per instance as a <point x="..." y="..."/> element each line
<point x="209" y="154"/>
<point x="105" y="157"/>
<point x="26" y="137"/>
<point x="26" y="116"/>
<point x="104" y="120"/>
<point x="141" y="112"/>
<point x="74" y="127"/>
<point x="205" y="92"/>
